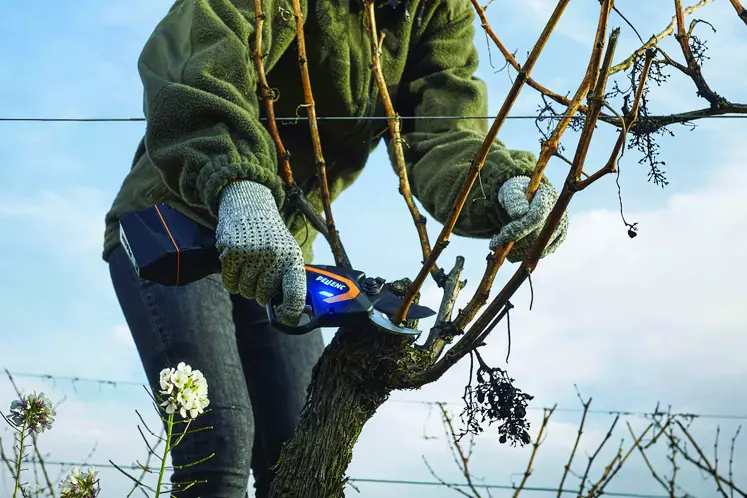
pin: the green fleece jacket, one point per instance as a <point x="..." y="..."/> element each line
<point x="202" y="109"/>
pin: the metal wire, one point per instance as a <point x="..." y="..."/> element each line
<point x="352" y="118"/>
<point x="115" y="383"/>
<point x="370" y="480"/>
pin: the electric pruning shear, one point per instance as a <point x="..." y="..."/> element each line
<point x="168" y="248"/>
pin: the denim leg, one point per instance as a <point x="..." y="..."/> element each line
<point x="194" y="324"/>
<point x="278" y="370"/>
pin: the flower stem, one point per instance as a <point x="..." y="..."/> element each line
<point x="20" y="458"/>
<point x="169" y="433"/>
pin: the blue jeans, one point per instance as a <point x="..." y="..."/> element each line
<point x="257" y="377"/>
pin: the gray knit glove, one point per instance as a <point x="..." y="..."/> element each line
<point x="259" y="255"/>
<point x="528" y="218"/>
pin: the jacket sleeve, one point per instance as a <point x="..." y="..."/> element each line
<point x="439" y="81"/>
<point x="201" y="104"/>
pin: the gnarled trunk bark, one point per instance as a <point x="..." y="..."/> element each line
<point x="350" y="382"/>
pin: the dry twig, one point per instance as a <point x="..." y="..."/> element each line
<point x="741" y="11"/>
<point x="654" y="40"/>
<point x="321" y="168"/>
<point x="614" y="467"/>
<point x="458" y="453"/>
<point x="693" y="68"/>
<point x="395" y="125"/>
<point x="485" y="322"/>
<point x="594" y="455"/>
<point x="703" y="463"/>
<point x="645" y="458"/>
<point x="549" y="148"/>
<point x="665" y="428"/>
<point x="479" y="161"/>
<point x="580" y="432"/>
<point x="731" y="458"/>
<point x="511" y="60"/>
<point x="269" y="96"/>
<point x="453" y="284"/>
<point x="625" y="64"/>
<point x="535" y="446"/>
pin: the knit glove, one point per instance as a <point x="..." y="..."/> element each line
<point x="259" y="255"/>
<point x="528" y="218"/>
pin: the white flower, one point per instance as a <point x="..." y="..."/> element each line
<point x="187" y="391"/>
<point x="80" y="485"/>
<point x="165" y="381"/>
<point x="35" y="410"/>
<point x="182" y="375"/>
<point x="170" y="405"/>
<point x="29" y="490"/>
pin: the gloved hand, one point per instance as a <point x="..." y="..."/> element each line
<point x="528" y="218"/>
<point x="259" y="255"/>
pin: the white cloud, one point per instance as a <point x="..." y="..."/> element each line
<point x="631" y="322"/>
<point x="670" y="298"/>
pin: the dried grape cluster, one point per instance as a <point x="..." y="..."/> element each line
<point x="495" y="400"/>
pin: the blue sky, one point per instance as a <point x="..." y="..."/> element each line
<point x="631" y="322"/>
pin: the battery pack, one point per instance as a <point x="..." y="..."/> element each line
<point x="167" y="247"/>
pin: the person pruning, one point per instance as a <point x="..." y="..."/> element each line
<point x="207" y="153"/>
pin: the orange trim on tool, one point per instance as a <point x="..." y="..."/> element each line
<point x="178" y="252"/>
<point x="352" y="292"/>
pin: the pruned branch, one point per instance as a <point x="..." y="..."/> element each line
<point x="444" y="328"/>
<point x="741" y="11"/>
<point x="484" y="323"/>
<point x="646" y="459"/>
<point x="535" y="446"/>
<point x="731" y="458"/>
<point x="593" y="457"/>
<point x="651" y="124"/>
<point x="460" y="455"/>
<point x="269" y="96"/>
<point x="479" y="161"/>
<point x="549" y="148"/>
<point x="321" y="168"/>
<point x="629" y="122"/>
<point x="511" y="60"/>
<point x="443" y="482"/>
<point x="654" y="40"/>
<point x="580" y="433"/>
<point x="617" y="463"/>
<point x="693" y="68"/>
<point x="395" y="126"/>
<point x="704" y="463"/>
<point x="664" y="428"/>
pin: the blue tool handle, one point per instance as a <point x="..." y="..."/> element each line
<point x="313" y="323"/>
